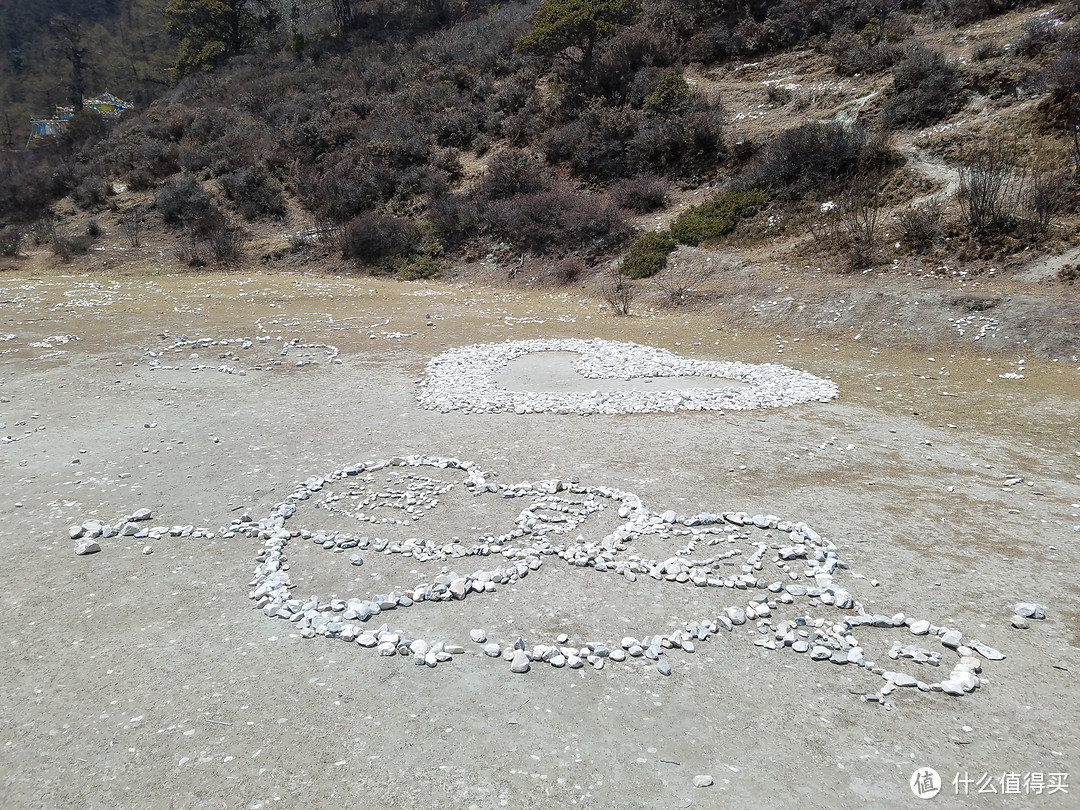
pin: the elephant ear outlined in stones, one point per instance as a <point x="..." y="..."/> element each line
<point x="549" y="528"/>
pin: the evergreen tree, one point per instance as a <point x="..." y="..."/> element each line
<point x="210" y="31"/>
<point x="571" y="28"/>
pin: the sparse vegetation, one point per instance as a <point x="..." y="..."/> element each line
<point x="407" y="137"/>
<point x="618" y="291"/>
<point x="988" y="186"/>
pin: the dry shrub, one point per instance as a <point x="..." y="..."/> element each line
<point x="558" y="220"/>
<point x="91" y="193"/>
<point x="11" y="238"/>
<point x="816" y="157"/>
<point x="567" y="271"/>
<point x="853" y="54"/>
<point x="825" y="224"/>
<point x="373" y="236"/>
<point x="618" y="291"/>
<point x="190" y="253"/>
<point x="226" y="240"/>
<point x="642" y="193"/>
<point x="1047" y="195"/>
<point x="921" y="225"/>
<point x="512" y="172"/>
<point x="66" y="247"/>
<point x="989" y="184"/>
<point x="963" y="12"/>
<point x="926" y="88"/>
<point x="683" y="277"/>
<point x="131" y="223"/>
<point x="184" y="205"/>
<point x="987" y="49"/>
<point x="860" y="207"/>
<point x="1036" y="35"/>
<point x="454" y="217"/>
<point x="253" y="193"/>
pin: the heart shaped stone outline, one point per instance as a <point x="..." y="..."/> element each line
<point x="462" y="379"/>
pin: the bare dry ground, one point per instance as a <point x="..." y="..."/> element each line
<point x="150" y="680"/>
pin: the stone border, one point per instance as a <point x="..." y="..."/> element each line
<point x="804" y="562"/>
<point x="462" y="379"/>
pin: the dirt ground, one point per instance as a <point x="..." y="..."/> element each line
<point x="135" y="680"/>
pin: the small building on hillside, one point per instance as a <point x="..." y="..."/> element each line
<point x="106" y="105"/>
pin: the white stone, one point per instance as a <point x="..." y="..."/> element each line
<point x="520" y="662"/>
<point x="87" y="546"/>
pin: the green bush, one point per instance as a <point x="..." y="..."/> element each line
<point x="412" y="268"/>
<point x="715" y="218"/>
<point x="670" y="91"/>
<point x="648" y="254"/>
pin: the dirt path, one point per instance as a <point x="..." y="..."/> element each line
<point x="933" y="168"/>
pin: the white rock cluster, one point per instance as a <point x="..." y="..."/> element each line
<point x="782" y="562"/>
<point x="462" y="379"/>
<point x="134" y="525"/>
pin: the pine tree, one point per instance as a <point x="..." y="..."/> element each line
<point x="210" y="31"/>
<point x="568" y="28"/>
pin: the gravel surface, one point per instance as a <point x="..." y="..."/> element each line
<point x="144" y="674"/>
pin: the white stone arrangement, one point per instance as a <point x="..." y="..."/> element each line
<point x="231" y="352"/>
<point x="784" y="562"/>
<point x="462" y="379"/>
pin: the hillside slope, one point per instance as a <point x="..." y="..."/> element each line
<point x="915" y="172"/>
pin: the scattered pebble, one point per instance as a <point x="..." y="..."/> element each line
<point x="1030" y="610"/>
